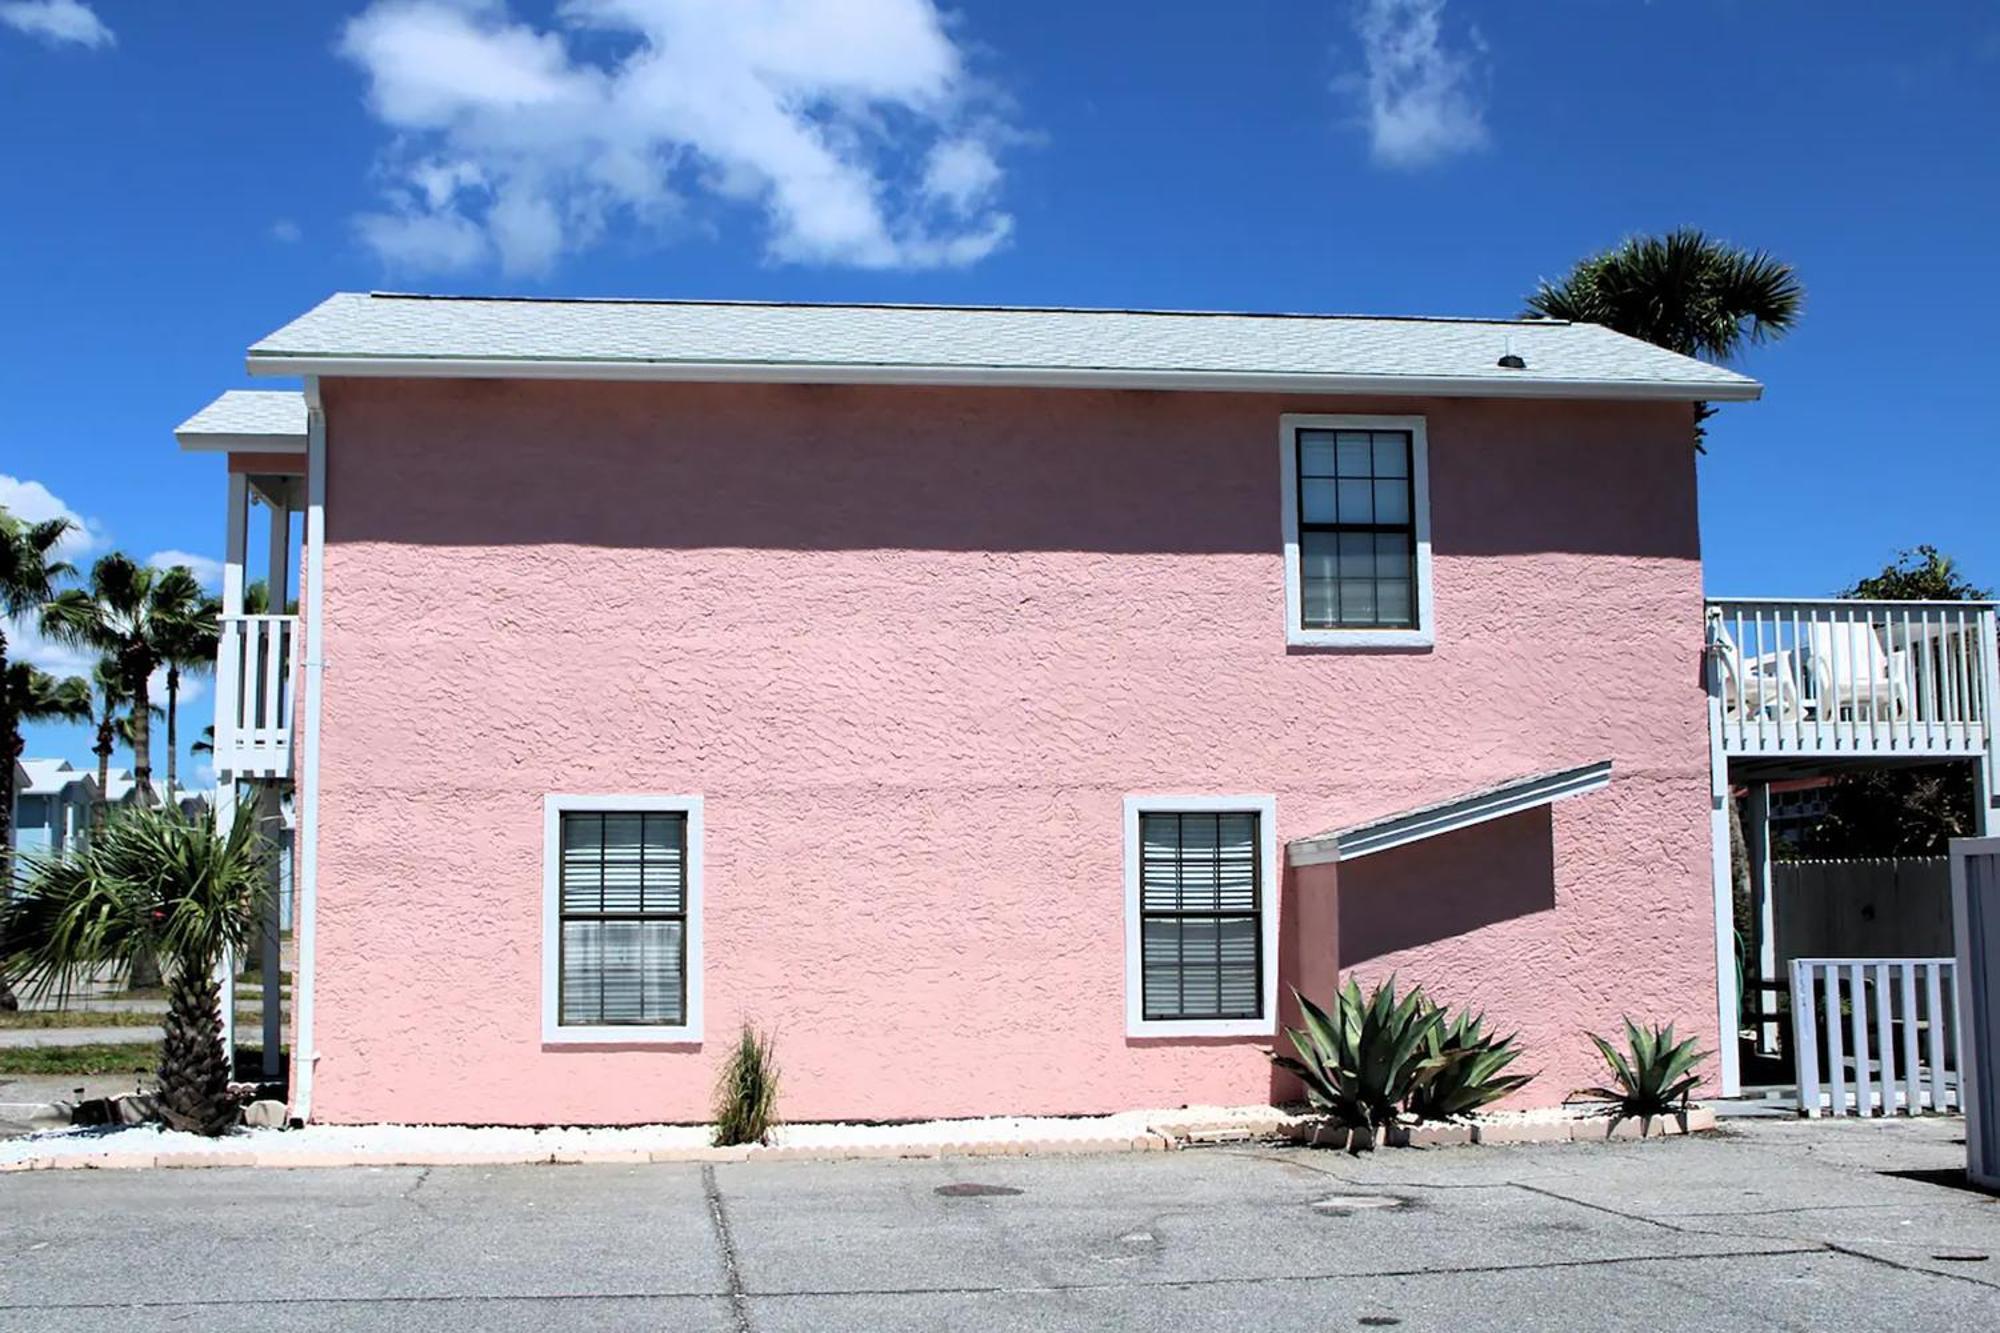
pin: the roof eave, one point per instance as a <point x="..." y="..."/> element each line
<point x="1497" y="802"/>
<point x="1738" y="389"/>
<point x="226" y="442"/>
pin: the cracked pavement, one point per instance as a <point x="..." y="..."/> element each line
<point x="1770" y="1225"/>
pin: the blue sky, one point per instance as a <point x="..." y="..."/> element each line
<point x="184" y="178"/>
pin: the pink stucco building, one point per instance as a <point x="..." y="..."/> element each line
<point x="1002" y="708"/>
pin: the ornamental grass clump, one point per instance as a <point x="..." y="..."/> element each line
<point x="1471" y="1069"/>
<point x="746" y="1095"/>
<point x="1361" y="1063"/>
<point x="152" y="883"/>
<point x="1653" y="1076"/>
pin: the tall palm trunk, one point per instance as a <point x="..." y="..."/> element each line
<point x="173" y="732"/>
<point x="142" y="734"/>
<point x="194" y="1067"/>
<point x="100" y="805"/>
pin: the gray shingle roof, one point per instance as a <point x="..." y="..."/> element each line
<point x="249" y="412"/>
<point x="356" y="333"/>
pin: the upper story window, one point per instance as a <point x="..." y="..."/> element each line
<point x="1200" y="921"/>
<point x="622" y="919"/>
<point x="1357" y="532"/>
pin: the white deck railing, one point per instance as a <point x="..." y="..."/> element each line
<point x="253" y="695"/>
<point x="1875" y="1036"/>
<point x="1857" y="678"/>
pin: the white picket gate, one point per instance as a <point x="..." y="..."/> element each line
<point x="1876" y="1036"/>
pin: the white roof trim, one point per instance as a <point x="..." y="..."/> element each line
<point x="1023" y="377"/>
<point x="1507" y="798"/>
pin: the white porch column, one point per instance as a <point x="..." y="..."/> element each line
<point x="269" y="818"/>
<point x="1729" y="1073"/>
<point x="227" y="673"/>
<point x="1757" y="836"/>
<point x="1986" y="775"/>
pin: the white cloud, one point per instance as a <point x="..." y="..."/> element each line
<point x="57" y="21"/>
<point x="286" y="231"/>
<point x="1423" y="99"/>
<point x="32" y="502"/>
<point x="853" y="124"/>
<point x="206" y="568"/>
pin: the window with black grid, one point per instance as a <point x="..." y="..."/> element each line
<point x="1200" y="942"/>
<point x="624" y="919"/>
<point x="1357" y="530"/>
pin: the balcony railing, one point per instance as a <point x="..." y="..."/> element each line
<point x="1851" y="678"/>
<point x="253" y="696"/>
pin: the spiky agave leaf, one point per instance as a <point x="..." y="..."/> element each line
<point x="1469" y="1074"/>
<point x="1360" y="1062"/>
<point x="1654" y="1076"/>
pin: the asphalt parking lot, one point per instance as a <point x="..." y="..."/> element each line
<point x="1770" y="1225"/>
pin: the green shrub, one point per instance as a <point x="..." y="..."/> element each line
<point x="1360" y="1064"/>
<point x="1653" y="1076"/>
<point x="1470" y="1069"/>
<point x="746" y="1096"/>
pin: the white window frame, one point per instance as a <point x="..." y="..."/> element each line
<point x="1136" y="1022"/>
<point x="1296" y="634"/>
<point x="554" y="1031"/>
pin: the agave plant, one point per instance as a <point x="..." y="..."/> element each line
<point x="1653" y="1076"/>
<point x="1470" y="1070"/>
<point x="152" y="882"/>
<point x="1361" y="1063"/>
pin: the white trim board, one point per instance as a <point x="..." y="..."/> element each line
<point x="1424" y="634"/>
<point x="201" y="442"/>
<point x="1136" y="1022"/>
<point x="1508" y="385"/>
<point x="554" y="1031"/>
<point x="305" y="770"/>
<point x="1496" y="802"/>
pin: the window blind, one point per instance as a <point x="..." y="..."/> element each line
<point x="623" y="904"/>
<point x="1200" y="941"/>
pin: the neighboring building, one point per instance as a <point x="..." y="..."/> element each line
<point x="52" y="804"/>
<point x="1004" y="708"/>
<point x="122" y="789"/>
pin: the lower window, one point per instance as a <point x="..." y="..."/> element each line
<point x="1199" y="888"/>
<point x="623" y="958"/>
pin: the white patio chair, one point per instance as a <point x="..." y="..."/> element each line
<point x="1855" y="674"/>
<point x="1764" y="686"/>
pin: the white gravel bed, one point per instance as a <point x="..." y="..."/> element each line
<point x="387" y="1142"/>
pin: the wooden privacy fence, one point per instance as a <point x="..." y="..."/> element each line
<point x="1875" y="1036"/>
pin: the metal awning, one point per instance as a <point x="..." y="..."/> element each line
<point x="1496" y="802"/>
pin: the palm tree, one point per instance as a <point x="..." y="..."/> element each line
<point x="153" y="883"/>
<point x="27" y="694"/>
<point x="1686" y="291"/>
<point x="108" y="723"/>
<point x="29" y="572"/>
<point x="132" y="613"/>
<point x="189" y="646"/>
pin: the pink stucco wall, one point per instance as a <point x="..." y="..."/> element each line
<point x="914" y="647"/>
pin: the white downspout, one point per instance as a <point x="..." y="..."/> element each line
<point x="305" y="1054"/>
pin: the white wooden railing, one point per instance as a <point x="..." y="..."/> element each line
<point x="1846" y="677"/>
<point x="253" y="695"/>
<point x="1875" y="1036"/>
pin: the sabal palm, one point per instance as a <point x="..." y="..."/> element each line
<point x="189" y="646"/>
<point x="108" y="724"/>
<point x="132" y="614"/>
<point x="153" y="883"/>
<point x="29" y="572"/>
<point x="28" y="694"/>
<point x="1685" y="291"/>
